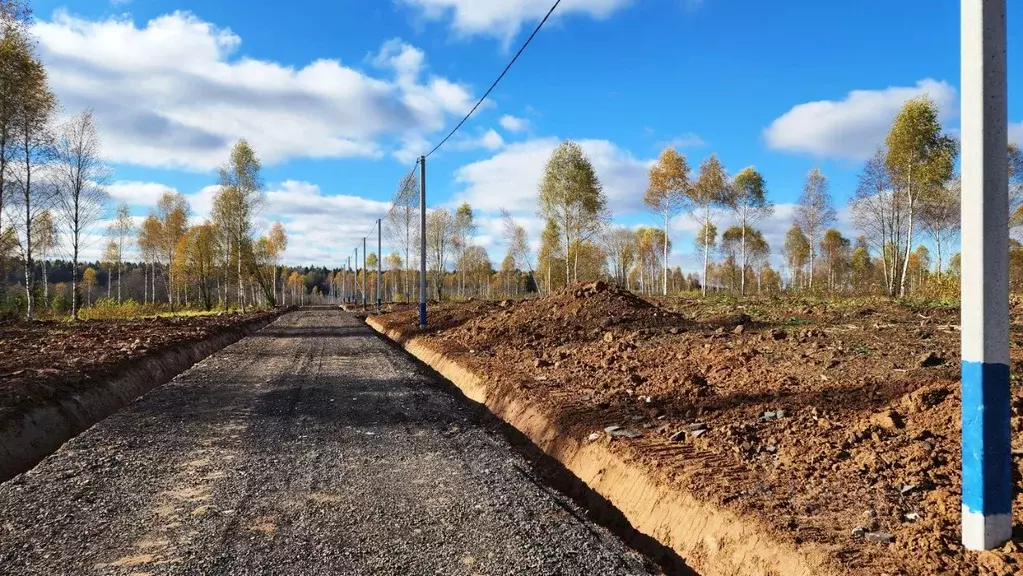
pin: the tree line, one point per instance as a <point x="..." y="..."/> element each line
<point x="905" y="209"/>
<point x="51" y="173"/>
<point x="909" y="189"/>
<point x="53" y="197"/>
<point x="218" y="263"/>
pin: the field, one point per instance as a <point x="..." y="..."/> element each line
<point x="45" y="362"/>
<point x="835" y="424"/>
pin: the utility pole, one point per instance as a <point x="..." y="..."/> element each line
<point x="344" y="281"/>
<point x="355" y="282"/>
<point x="365" y="273"/>
<point x="986" y="450"/>
<point x="422" y="242"/>
<point x="380" y="259"/>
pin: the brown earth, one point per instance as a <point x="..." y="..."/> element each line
<point x="836" y="426"/>
<point x="44" y="362"/>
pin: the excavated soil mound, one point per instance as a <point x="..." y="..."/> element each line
<point x="582" y="312"/>
<point x="837" y="426"/>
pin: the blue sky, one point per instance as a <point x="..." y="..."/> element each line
<point x="338" y="97"/>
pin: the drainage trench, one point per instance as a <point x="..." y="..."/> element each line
<point x="685" y="535"/>
<point x="548" y="473"/>
<point x="27" y="438"/>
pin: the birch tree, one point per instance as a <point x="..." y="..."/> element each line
<point x="706" y="239"/>
<point x="88" y="283"/>
<point x="172" y="212"/>
<point x="939" y="214"/>
<point x="403" y="222"/>
<point x="572" y="197"/>
<point x="109" y="261"/>
<point x="277" y="243"/>
<point x="814" y="213"/>
<point x="439" y="235"/>
<point x="240" y="198"/>
<point x="920" y="158"/>
<point x="121" y="229"/>
<point x="464" y="227"/>
<point x="879" y="211"/>
<point x="835" y="248"/>
<point x="149" y="235"/>
<point x="45" y="233"/>
<point x="551" y="251"/>
<point x="797" y="252"/>
<point x="394" y="265"/>
<point x="517" y="242"/>
<point x="619" y="243"/>
<point x="32" y="110"/>
<point x="747" y="197"/>
<point x="80" y="175"/>
<point x="759" y="254"/>
<point x="709" y="193"/>
<point x="508" y="270"/>
<point x="666" y="195"/>
<point x="15" y="54"/>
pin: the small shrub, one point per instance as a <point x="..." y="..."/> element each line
<point x="60" y="304"/>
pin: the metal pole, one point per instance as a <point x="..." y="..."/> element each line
<point x="365" y="273"/>
<point x="987" y="459"/>
<point x="380" y="260"/>
<point x="422" y="242"/>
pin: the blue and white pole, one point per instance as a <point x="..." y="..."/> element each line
<point x="987" y="459"/>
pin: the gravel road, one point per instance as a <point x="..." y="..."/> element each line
<point x="311" y="447"/>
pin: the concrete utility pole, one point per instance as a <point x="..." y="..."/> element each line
<point x="344" y="281"/>
<point x="380" y="260"/>
<point x="987" y="459"/>
<point x="422" y="242"/>
<point x="365" y="273"/>
<point x="355" y="281"/>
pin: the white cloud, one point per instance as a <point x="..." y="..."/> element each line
<point x="412" y="147"/>
<point x="136" y="193"/>
<point x="174" y="93"/>
<point x="403" y="58"/>
<point x="510" y="179"/>
<point x="502" y="19"/>
<point x="687" y="140"/>
<point x="513" y="123"/>
<point x="489" y="140"/>
<point x="851" y="128"/>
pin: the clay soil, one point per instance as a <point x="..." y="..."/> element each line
<point x="836" y="425"/>
<point x="44" y="362"/>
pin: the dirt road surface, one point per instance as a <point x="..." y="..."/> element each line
<point x="310" y="448"/>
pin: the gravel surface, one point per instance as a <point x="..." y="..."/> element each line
<point x="310" y="448"/>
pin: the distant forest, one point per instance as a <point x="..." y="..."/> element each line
<point x="58" y="280"/>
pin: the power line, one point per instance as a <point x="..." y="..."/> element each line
<point x="421" y="159"/>
<point x="494" y="85"/>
